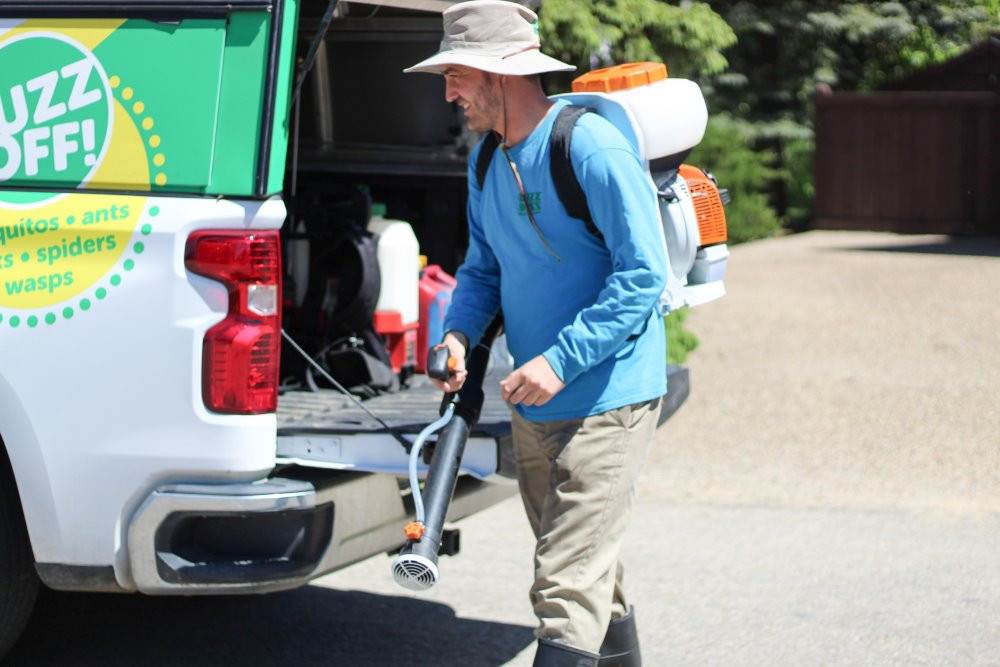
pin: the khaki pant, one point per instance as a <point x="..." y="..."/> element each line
<point x="577" y="480"/>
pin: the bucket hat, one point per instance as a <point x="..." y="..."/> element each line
<point x="493" y="36"/>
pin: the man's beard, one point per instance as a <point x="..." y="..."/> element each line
<point x="487" y="108"/>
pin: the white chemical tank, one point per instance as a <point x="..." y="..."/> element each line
<point x="660" y="116"/>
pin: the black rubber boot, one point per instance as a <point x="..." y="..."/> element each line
<point x="621" y="644"/>
<point x="554" y="654"/>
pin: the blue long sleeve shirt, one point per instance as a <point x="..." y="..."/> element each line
<point x="578" y="301"/>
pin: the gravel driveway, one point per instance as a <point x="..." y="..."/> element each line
<point x="849" y="370"/>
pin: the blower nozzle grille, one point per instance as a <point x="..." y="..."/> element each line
<point x="414" y="572"/>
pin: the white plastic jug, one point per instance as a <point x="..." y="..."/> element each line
<point x="399" y="263"/>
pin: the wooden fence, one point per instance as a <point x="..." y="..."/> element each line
<point x="912" y="162"/>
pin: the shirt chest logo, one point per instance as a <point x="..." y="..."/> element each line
<point x="534" y="200"/>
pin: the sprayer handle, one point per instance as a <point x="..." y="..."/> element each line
<point x="440" y="364"/>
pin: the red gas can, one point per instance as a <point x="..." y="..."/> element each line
<point x="436" y="287"/>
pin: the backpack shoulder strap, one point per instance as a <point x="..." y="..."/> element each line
<point x="567" y="185"/>
<point x="488" y="147"/>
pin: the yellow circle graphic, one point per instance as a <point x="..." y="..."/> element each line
<point x="53" y="253"/>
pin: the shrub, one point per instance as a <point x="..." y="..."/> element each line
<point x="680" y="341"/>
<point x="747" y="173"/>
<point x="798" y="182"/>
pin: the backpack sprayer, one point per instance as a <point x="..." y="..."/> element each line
<point x="416" y="565"/>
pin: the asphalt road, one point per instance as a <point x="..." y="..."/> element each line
<point x="829" y="495"/>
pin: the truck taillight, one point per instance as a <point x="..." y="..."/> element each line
<point x="241" y="353"/>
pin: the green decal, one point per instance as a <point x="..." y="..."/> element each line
<point x="166" y="78"/>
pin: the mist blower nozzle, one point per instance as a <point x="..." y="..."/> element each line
<point x="415" y="567"/>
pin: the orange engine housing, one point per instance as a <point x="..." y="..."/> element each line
<point x="707" y="205"/>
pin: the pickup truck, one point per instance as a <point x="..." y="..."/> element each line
<point x="184" y="189"/>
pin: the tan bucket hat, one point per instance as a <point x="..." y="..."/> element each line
<point x="493" y="36"/>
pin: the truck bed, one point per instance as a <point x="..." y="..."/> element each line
<point x="409" y="410"/>
<point x="328" y="411"/>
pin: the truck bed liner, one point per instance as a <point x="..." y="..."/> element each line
<point x="408" y="410"/>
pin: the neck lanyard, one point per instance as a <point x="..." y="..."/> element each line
<point x="524" y="198"/>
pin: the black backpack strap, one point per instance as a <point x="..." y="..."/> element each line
<point x="568" y="188"/>
<point x="488" y="147"/>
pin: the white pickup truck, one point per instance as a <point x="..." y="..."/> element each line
<point x="169" y="203"/>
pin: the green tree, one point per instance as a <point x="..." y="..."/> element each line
<point x="727" y="152"/>
<point x="689" y="36"/>
<point x="786" y="49"/>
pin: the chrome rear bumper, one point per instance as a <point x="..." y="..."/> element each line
<point x="274" y="534"/>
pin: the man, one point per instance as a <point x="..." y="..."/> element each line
<point x="580" y="319"/>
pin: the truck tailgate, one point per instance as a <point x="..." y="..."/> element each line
<point x="325" y="429"/>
